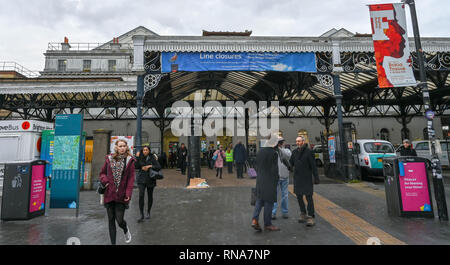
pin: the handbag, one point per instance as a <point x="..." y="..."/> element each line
<point x="251" y="172"/>
<point x="253" y="197"/>
<point x="101" y="188"/>
<point x="156" y="174"/>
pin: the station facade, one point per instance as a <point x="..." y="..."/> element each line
<point x="100" y="81"/>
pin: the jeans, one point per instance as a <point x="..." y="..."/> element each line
<point x="142" y="188"/>
<point x="283" y="186"/>
<point x="116" y="212"/>
<point x="267" y="211"/>
<point x="240" y="170"/>
<point x="301" y="203"/>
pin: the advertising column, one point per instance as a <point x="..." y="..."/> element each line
<point x="66" y="161"/>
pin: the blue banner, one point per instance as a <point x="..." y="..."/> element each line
<point x="238" y="61"/>
<point x="67" y="154"/>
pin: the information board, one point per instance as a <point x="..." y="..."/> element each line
<point x="66" y="161"/>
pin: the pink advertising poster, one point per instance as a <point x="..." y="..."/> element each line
<point x="414" y="188"/>
<point x="38" y="182"/>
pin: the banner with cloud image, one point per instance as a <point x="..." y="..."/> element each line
<point x="391" y="45"/>
<point x="238" y="61"/>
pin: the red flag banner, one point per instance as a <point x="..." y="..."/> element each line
<point x="391" y="46"/>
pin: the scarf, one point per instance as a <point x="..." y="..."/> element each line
<point x="117" y="167"/>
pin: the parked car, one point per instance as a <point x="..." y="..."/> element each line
<point x="423" y="150"/>
<point x="318" y="154"/>
<point x="368" y="155"/>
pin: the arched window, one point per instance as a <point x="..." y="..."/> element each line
<point x="384" y="134"/>
<point x="145" y="138"/>
<point x="304" y="133"/>
<point x="405" y="133"/>
<point x="425" y="133"/>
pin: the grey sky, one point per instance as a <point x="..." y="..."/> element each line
<point x="29" y="25"/>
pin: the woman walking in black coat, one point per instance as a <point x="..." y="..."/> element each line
<point x="304" y="170"/>
<point x="146" y="162"/>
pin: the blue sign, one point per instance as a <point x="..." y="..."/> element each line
<point x="67" y="154"/>
<point x="429" y="114"/>
<point x="332" y="149"/>
<point x="47" y="143"/>
<point x="238" y="61"/>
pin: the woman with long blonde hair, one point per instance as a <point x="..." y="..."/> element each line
<point x="118" y="175"/>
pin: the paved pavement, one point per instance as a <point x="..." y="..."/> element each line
<point x="347" y="214"/>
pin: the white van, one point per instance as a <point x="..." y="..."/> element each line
<point x="20" y="141"/>
<point x="368" y="155"/>
<point x="318" y="154"/>
<point x="423" y="150"/>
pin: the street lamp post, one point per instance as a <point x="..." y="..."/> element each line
<point x="435" y="163"/>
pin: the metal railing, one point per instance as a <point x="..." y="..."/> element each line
<point x="13" y="66"/>
<point x="85" y="46"/>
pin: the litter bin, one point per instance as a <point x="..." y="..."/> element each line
<point x="407" y="188"/>
<point x="24" y="190"/>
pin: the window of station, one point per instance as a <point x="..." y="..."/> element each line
<point x="62" y="65"/>
<point x="384" y="134"/>
<point x="86" y="65"/>
<point x="304" y="133"/>
<point x="405" y="133"/>
<point x="425" y="134"/>
<point x="111" y="65"/>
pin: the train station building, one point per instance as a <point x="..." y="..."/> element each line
<point x="100" y="80"/>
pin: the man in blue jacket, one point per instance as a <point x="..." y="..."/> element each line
<point x="239" y="157"/>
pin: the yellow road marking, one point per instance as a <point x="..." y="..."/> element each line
<point x="352" y="226"/>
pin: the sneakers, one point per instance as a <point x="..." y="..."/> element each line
<point x="285" y="216"/>
<point x="140" y="220"/>
<point x="128" y="236"/>
<point x="147" y="216"/>
<point x="302" y="218"/>
<point x="274" y="217"/>
<point x="310" y="221"/>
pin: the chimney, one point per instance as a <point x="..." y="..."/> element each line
<point x="115" y="45"/>
<point x="65" y="46"/>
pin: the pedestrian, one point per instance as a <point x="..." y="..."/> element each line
<point x="266" y="184"/>
<point x="170" y="159"/>
<point x="407" y="149"/>
<point x="220" y="158"/>
<point x="305" y="169"/>
<point x="239" y="157"/>
<point x="163" y="159"/>
<point x="146" y="162"/>
<point x="118" y="175"/>
<point x="182" y="156"/>
<point x="284" y="167"/>
<point x="229" y="158"/>
<point x="210" y="156"/>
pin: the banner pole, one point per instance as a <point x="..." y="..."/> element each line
<point x="435" y="163"/>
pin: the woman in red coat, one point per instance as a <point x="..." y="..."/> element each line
<point x="118" y="175"/>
